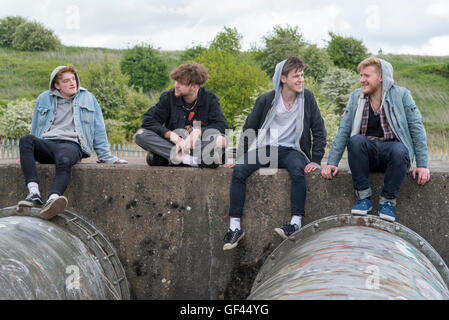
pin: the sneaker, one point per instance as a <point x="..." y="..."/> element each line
<point x="287" y="230"/>
<point x="53" y="208"/>
<point x="232" y="238"/>
<point x="154" y="159"/>
<point x="33" y="200"/>
<point x="386" y="211"/>
<point x="362" y="207"/>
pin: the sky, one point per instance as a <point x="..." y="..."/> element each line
<point x="395" y="26"/>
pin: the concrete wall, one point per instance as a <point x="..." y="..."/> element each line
<point x="168" y="224"/>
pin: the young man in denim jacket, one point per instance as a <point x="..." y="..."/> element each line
<point x="383" y="130"/>
<point x="67" y="124"/>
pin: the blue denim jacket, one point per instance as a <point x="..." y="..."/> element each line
<point x="88" y="118"/>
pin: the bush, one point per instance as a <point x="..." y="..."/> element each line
<point x="346" y="52"/>
<point x="8" y="27"/>
<point x="234" y="81"/>
<point x="228" y="40"/>
<point x="317" y="62"/>
<point x="146" y="68"/>
<point x="337" y="86"/>
<point x="33" y="36"/>
<point x="15" y="120"/>
<point x="106" y="82"/>
<point x="278" y="46"/>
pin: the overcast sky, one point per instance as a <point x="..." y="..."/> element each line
<point x="407" y="27"/>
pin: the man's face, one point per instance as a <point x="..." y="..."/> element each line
<point x="66" y="84"/>
<point x="182" y="89"/>
<point x="370" y="80"/>
<point x="294" y="80"/>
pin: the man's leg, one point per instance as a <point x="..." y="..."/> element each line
<point x="361" y="159"/>
<point x="242" y="170"/>
<point x="294" y="162"/>
<point x="212" y="150"/>
<point x="159" y="148"/>
<point x="394" y="158"/>
<point x="33" y="149"/>
<point x="66" y="155"/>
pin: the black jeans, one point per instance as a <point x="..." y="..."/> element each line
<point x="365" y="156"/>
<point x="64" y="154"/>
<point x="287" y="158"/>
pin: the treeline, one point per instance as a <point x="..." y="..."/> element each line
<point x="125" y="90"/>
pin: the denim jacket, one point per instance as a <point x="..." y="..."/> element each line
<point x="402" y="115"/>
<point x="88" y="118"/>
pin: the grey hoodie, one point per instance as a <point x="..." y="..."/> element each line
<point x="63" y="126"/>
<point x="271" y="114"/>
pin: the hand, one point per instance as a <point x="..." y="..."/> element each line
<point x="310" y="167"/>
<point x="423" y="175"/>
<point x="121" y="161"/>
<point x="329" y="171"/>
<point x="229" y="165"/>
<point x="192" y="139"/>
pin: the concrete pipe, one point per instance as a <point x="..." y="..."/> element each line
<point x="65" y="258"/>
<point x="350" y="257"/>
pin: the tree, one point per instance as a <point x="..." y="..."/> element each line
<point x="190" y="54"/>
<point x="281" y="43"/>
<point x="8" y="27"/>
<point x="146" y="68"/>
<point x="236" y="82"/>
<point x="33" y="36"/>
<point x="229" y="39"/>
<point x="346" y="52"/>
<point x="317" y="62"/>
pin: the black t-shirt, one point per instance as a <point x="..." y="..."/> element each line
<point x="374" y="128"/>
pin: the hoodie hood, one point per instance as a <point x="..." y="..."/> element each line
<point x="277" y="82"/>
<point x="387" y="77"/>
<point x="53" y="75"/>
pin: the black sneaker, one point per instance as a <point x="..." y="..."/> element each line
<point x="33" y="200"/>
<point x="287" y="230"/>
<point x="232" y="238"/>
<point x="53" y="207"/>
<point x="154" y="159"/>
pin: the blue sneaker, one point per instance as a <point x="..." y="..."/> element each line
<point x="386" y="211"/>
<point x="362" y="207"/>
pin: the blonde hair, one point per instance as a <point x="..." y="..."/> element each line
<point x="371" y="61"/>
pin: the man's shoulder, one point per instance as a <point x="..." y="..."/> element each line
<point x="267" y="96"/>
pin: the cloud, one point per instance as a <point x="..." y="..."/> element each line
<point x="439" y="9"/>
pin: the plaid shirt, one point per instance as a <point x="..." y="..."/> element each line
<point x="388" y="133"/>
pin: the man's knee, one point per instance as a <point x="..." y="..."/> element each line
<point x="26" y="140"/>
<point x="356" y="142"/>
<point x="400" y="153"/>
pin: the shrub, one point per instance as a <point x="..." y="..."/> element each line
<point x="337" y="86"/>
<point x="33" y="36"/>
<point x="233" y="80"/>
<point x="346" y="52"/>
<point x="8" y="27"/>
<point x="15" y="120"/>
<point x="279" y="45"/>
<point x="146" y="68"/>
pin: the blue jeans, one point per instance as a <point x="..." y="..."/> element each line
<point x="288" y="158"/>
<point x="365" y="156"/>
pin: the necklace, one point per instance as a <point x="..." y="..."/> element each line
<point x="192" y="107"/>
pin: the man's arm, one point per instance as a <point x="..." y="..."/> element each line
<point x="158" y="115"/>
<point x="216" y="118"/>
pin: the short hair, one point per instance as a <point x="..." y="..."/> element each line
<point x="67" y="68"/>
<point x="190" y="73"/>
<point x="292" y="63"/>
<point x="371" y="61"/>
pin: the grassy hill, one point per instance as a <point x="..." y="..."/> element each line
<point x="26" y="75"/>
